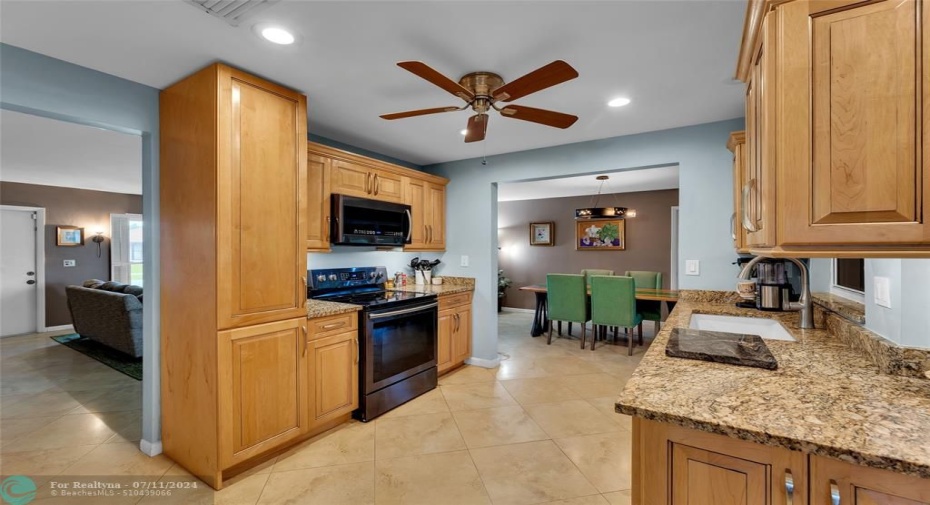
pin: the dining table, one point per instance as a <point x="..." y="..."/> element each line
<point x="541" y="317"/>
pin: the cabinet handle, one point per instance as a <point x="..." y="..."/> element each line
<point x="356" y="350"/>
<point x="334" y="325"/>
<point x="306" y="340"/>
<point x="748" y="223"/>
<point x="377" y="184"/>
<point x="303" y="282"/>
<point x="834" y="493"/>
<point x="327" y="230"/>
<point x="733" y="226"/>
<point x="789" y="488"/>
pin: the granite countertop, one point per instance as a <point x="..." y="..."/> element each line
<point x="321" y="308"/>
<point x="449" y="286"/>
<point x="854" y="311"/>
<point x="825" y="398"/>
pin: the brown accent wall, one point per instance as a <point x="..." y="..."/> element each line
<point x="74" y="207"/>
<point x="648" y="240"/>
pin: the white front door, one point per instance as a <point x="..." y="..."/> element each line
<point x="17" y="272"/>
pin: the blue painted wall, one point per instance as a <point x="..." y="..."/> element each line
<point x="36" y="84"/>
<point x="705" y="201"/>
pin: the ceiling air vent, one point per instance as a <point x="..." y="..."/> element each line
<point x="233" y="12"/>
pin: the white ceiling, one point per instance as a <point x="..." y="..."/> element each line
<point x="38" y="150"/>
<point x="627" y="181"/>
<point x="674" y="59"/>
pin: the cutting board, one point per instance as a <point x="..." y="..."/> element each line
<point x="720" y="347"/>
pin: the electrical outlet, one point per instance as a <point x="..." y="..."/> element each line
<point x="692" y="267"/>
<point x="882" y="288"/>
<point x="69" y="263"/>
<point x="464" y="262"/>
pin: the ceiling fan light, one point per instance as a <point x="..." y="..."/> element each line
<point x="619" y="102"/>
<point x="464" y="132"/>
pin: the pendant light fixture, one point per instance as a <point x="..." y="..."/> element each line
<point x="595" y="212"/>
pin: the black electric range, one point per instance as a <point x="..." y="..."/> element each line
<point x="397" y="335"/>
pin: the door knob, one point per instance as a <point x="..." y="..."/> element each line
<point x="30" y="273"/>
<point x="30" y="281"/>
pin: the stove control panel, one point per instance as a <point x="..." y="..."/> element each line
<point x="336" y="278"/>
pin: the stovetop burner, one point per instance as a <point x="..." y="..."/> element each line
<point x="359" y="286"/>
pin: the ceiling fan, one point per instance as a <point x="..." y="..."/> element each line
<point x="483" y="90"/>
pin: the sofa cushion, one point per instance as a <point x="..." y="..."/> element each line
<point x="132" y="289"/>
<point x="93" y="283"/>
<point x="113" y="286"/>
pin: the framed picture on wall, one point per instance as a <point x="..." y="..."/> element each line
<point x="542" y="233"/>
<point x="600" y="235"/>
<point x="70" y="236"/>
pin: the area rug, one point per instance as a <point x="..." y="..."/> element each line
<point x="109" y="357"/>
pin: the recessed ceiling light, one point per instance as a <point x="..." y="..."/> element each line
<point x="619" y="102"/>
<point x="278" y="35"/>
<point x="464" y="132"/>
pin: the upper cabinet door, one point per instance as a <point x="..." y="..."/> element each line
<point x="415" y="197"/>
<point x="854" y="78"/>
<point x="351" y="179"/>
<point x="387" y="186"/>
<point x="436" y="233"/>
<point x="318" y="206"/>
<point x="261" y="201"/>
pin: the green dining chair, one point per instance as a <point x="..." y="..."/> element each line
<point x="568" y="301"/>
<point x="651" y="310"/>
<point x="613" y="303"/>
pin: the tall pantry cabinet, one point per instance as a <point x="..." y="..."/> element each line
<point x="234" y="375"/>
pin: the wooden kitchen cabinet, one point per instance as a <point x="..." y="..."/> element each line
<point x="334" y="376"/>
<point x="859" y="485"/>
<point x="332" y="170"/>
<point x="427" y="202"/>
<point x="264" y="396"/>
<point x="318" y="206"/>
<point x="364" y="181"/>
<point x="836" y="128"/>
<point x="454" y="339"/>
<point x="737" y="145"/>
<point x="232" y="219"/>
<point x="680" y="466"/>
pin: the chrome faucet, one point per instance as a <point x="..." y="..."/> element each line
<point x="804" y="304"/>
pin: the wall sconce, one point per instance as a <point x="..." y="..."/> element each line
<point x="98" y="239"/>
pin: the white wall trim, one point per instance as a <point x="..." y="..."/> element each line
<point x="484" y="363"/>
<point x="516" y="309"/>
<point x="150" y="448"/>
<point x="64" y="327"/>
<point x="40" y="261"/>
<point x="673" y="273"/>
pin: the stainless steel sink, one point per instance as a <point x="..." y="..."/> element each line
<point x="765" y="328"/>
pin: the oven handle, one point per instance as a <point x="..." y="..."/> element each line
<point x="418" y="308"/>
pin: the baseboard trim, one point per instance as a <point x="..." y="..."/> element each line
<point x="484" y="363"/>
<point x="150" y="448"/>
<point x="58" y="328"/>
<point x="515" y="309"/>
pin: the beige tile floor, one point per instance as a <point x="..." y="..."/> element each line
<point x="540" y="428"/>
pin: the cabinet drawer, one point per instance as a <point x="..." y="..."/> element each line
<point x="326" y="326"/>
<point x="447" y="301"/>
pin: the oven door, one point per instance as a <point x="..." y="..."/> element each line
<point x="399" y="343"/>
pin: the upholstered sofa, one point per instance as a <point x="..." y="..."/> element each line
<point x="109" y="313"/>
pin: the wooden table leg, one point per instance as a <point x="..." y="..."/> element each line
<point x="540" y="317"/>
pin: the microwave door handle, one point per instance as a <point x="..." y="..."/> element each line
<point x="409" y="224"/>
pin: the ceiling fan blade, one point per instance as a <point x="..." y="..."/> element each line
<point x="541" y="116"/>
<point x="420" y="112"/>
<point x="477" y="128"/>
<point x="554" y="73"/>
<point x="426" y="72"/>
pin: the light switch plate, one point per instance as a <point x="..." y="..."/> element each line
<point x="464" y="260"/>
<point x="692" y="267"/>
<point x="69" y="263"/>
<point x="882" y="288"/>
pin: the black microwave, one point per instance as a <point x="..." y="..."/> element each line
<point x="365" y="222"/>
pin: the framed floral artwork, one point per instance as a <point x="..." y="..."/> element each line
<point x="542" y="233"/>
<point x="600" y="235"/>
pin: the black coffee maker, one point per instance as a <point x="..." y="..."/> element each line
<point x="777" y="284"/>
